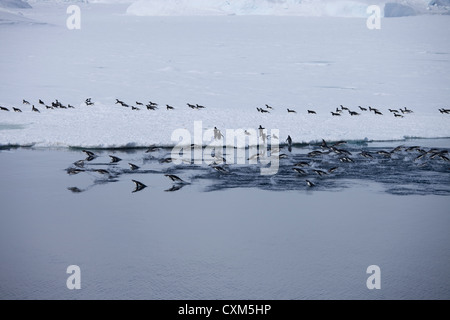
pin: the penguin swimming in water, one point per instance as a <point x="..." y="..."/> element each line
<point x="133" y="166"/>
<point x="320" y="172"/>
<point x="298" y="170"/>
<point x="331" y="170"/>
<point x="89" y="153"/>
<point x="115" y="159"/>
<point x="139" y="186"/>
<point x="174" y="178"/>
<point x="73" y="171"/>
<point x="301" y="164"/>
<point x="309" y="184"/>
<point x="219" y="169"/>
<point x="101" y="171"/>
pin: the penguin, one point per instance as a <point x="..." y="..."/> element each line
<point x="353" y="113"/>
<point x="310" y="184"/>
<point x="35" y="110"/>
<point x="263" y="110"/>
<point x="133" y="166"/>
<point x="269" y="107"/>
<point x="366" y="154"/>
<point x="377" y="112"/>
<point x="331" y="170"/>
<point x="301" y="164"/>
<point x="314" y="153"/>
<point x="114" y="159"/>
<point x="25" y="101"/>
<point x="291" y="111"/>
<point x="362" y="109"/>
<point x="393" y="110"/>
<point x="41" y="102"/>
<point x="311" y="112"/>
<point x="135" y="108"/>
<point x="298" y="170"/>
<point x="174" y="178"/>
<point x="346" y="159"/>
<point x="89" y="153"/>
<point x="219" y="169"/>
<point x="70" y="106"/>
<point x="139" y="186"/>
<point x="101" y="171"/>
<point x="261" y="130"/>
<point x="139" y="103"/>
<point x="320" y="172"/>
<point x="383" y="153"/>
<point x="152" y="149"/>
<point x="191" y="106"/>
<point x="151" y="107"/>
<point x="166" y="160"/>
<point x="335" y="114"/>
<point x="289" y="140"/>
<point x="344" y="108"/>
<point x="217" y="134"/>
<point x="169" y="107"/>
<point x="4" y="109"/>
<point x="398" y="115"/>
<point x="73" y="171"/>
<point x="199" y="106"/>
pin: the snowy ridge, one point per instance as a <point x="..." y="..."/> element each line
<point x="338" y="8"/>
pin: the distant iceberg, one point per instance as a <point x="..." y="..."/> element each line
<point x="398" y="10"/>
<point x="314" y="8"/>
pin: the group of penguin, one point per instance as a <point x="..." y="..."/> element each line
<point x="219" y="165"/>
<point x="398" y="113"/>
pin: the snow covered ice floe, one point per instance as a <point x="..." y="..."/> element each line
<point x="230" y="64"/>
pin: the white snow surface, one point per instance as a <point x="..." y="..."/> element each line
<point x="230" y="64"/>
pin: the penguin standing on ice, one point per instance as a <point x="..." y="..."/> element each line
<point x="289" y="140"/>
<point x="217" y="134"/>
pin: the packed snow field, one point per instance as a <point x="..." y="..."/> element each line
<point x="232" y="65"/>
